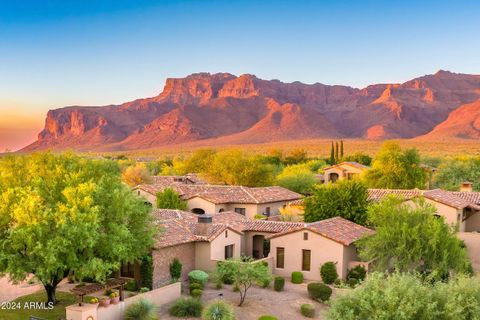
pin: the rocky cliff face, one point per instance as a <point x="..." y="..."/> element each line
<point x="246" y="109"/>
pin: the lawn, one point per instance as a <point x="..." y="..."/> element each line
<point x="58" y="312"/>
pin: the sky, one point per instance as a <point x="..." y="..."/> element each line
<point x="94" y="52"/>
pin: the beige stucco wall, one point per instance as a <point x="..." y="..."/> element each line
<point x="202" y="256"/>
<point x="164" y="256"/>
<point x="473" y="222"/>
<point x="197" y="202"/>
<point x="349" y="255"/>
<point x="450" y="214"/>
<point x="342" y="172"/>
<point x="149" y="197"/>
<point x="248" y="238"/>
<point x="218" y="245"/>
<point x="322" y="250"/>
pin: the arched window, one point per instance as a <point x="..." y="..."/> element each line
<point x="221" y="210"/>
<point x="198" y="211"/>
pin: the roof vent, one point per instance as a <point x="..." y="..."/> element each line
<point x="204" y="218"/>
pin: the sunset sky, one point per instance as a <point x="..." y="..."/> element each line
<point x="59" y="53"/>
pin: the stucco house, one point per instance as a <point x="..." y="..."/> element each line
<point x="200" y="241"/>
<point x="307" y="247"/>
<point x="213" y="199"/>
<point x="344" y="170"/>
<point x="459" y="208"/>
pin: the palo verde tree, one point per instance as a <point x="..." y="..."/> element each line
<point x="170" y="199"/>
<point x="244" y="273"/>
<point x="412" y="239"/>
<point x="62" y="214"/>
<point x="344" y="198"/>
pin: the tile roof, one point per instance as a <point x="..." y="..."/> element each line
<point x="338" y="229"/>
<point x="189" y="178"/>
<point x="455" y="199"/>
<point x="271" y="226"/>
<point x="225" y="194"/>
<point x="349" y="163"/>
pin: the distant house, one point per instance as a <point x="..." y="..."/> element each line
<point x="213" y="199"/>
<point x="307" y="247"/>
<point x="459" y="208"/>
<point x="344" y="170"/>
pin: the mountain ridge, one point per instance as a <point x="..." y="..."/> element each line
<point x="246" y="109"/>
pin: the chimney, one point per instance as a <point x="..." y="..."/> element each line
<point x="204" y="223"/>
<point x="466" y="186"/>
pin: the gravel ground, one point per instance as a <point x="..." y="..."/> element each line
<point x="284" y="305"/>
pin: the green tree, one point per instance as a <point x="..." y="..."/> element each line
<point x="337" y="155"/>
<point x="244" y="273"/>
<point x="453" y="172"/>
<point x="234" y="167"/>
<point x="170" y="199"/>
<point x="297" y="178"/>
<point x="296" y="156"/>
<point x="395" y="168"/>
<point x="197" y="162"/>
<point x="412" y="238"/>
<point x="62" y="214"/>
<point x="345" y="198"/>
<point x="341" y="149"/>
<point x="359" y="157"/>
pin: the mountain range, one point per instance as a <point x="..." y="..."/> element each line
<point x="228" y="109"/>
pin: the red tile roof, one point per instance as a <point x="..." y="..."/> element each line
<point x="449" y="199"/>
<point x="380" y="194"/>
<point x="226" y="194"/>
<point x="348" y="163"/>
<point x="337" y="229"/>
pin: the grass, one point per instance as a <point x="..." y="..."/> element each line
<point x="58" y="312"/>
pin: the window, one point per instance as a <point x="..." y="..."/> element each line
<point x="127" y="270"/>
<point x="306" y="255"/>
<point x="226" y="233"/>
<point x="280" y="258"/>
<point x="221" y="210"/>
<point x="305" y="236"/>
<point x="229" y="251"/>
<point x="240" y="210"/>
<point x="138" y="192"/>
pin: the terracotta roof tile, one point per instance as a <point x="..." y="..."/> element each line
<point x="380" y="194"/>
<point x="447" y="198"/>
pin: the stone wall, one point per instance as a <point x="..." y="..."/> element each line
<point x="164" y="256"/>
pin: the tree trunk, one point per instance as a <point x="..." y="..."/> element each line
<point x="51" y="293"/>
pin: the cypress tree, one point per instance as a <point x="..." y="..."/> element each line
<point x="337" y="158"/>
<point x="341" y="149"/>
<point x="332" y="155"/>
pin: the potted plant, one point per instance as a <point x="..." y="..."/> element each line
<point x="114" y="297"/>
<point x="104" y="302"/>
<point x="93" y="300"/>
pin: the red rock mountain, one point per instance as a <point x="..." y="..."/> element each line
<point x="229" y="109"/>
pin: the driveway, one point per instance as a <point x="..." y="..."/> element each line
<point x="285" y="305"/>
<point x="10" y="291"/>
<point x="472" y="241"/>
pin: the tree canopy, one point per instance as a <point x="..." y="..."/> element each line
<point x="62" y="214"/>
<point x="395" y="168"/>
<point x="453" y="172"/>
<point x="298" y="178"/>
<point x="344" y="198"/>
<point x="170" y="199"/>
<point x="411" y="238"/>
<point x="136" y="174"/>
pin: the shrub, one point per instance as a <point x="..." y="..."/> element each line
<point x="352" y="282"/>
<point x="358" y="272"/>
<point x="278" y="283"/>
<point x="131" y="285"/>
<point x="297" y="277"/>
<point x="175" y="269"/>
<point x="194" y="286"/>
<point x="328" y="272"/>
<point x="236" y="288"/>
<point x="268" y="317"/>
<point x="141" y="310"/>
<point x="218" y="310"/>
<point x="196" y="293"/>
<point x="307" y="310"/>
<point x="265" y="283"/>
<point x="146" y="271"/>
<point x="319" y="291"/>
<point x="198" y="276"/>
<point x="226" y="271"/>
<point x="259" y="217"/>
<point x="144" y="289"/>
<point x="186" y="307"/>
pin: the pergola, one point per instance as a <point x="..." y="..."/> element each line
<point x="95" y="287"/>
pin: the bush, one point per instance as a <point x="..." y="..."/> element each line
<point x="218" y="310"/>
<point x="186" y="307"/>
<point x="268" y="317"/>
<point x="175" y="269"/>
<point x="278" y="283"/>
<point x="265" y="283"/>
<point x="131" y="285"/>
<point x="297" y="277"/>
<point x="307" y="310"/>
<point x="194" y="286"/>
<point x="198" y="276"/>
<point x="196" y="293"/>
<point x="358" y="272"/>
<point x="319" y="291"/>
<point x="328" y="272"/>
<point x="227" y="272"/>
<point x="146" y="271"/>
<point x="144" y="289"/>
<point x="352" y="282"/>
<point x="141" y="310"/>
<point x="236" y="288"/>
